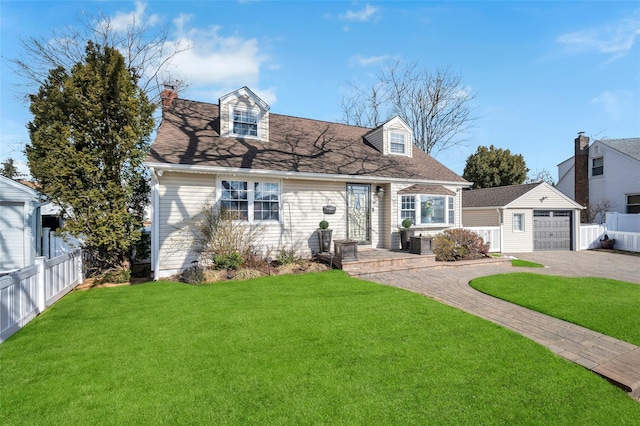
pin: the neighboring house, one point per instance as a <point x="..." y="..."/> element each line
<point x="607" y="170"/>
<point x="20" y="230"/>
<point x="534" y="216"/>
<point x="279" y="172"/>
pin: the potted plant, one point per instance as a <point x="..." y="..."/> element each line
<point x="324" y="234"/>
<point x="607" y="243"/>
<point x="405" y="233"/>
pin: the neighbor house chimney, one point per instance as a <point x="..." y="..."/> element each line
<point x="168" y="95"/>
<point x="581" y="166"/>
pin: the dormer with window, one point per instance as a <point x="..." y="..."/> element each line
<point x="392" y="138"/>
<point x="244" y="115"/>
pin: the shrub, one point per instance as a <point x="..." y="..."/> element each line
<point x="459" y="244"/>
<point x="232" y="260"/>
<point x="216" y="233"/>
<point x="324" y="224"/>
<point x="287" y="256"/>
<point x="193" y="276"/>
<point x="406" y="223"/>
<point x="117" y="276"/>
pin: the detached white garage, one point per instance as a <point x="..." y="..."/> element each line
<point x="19" y="224"/>
<point x="532" y="217"/>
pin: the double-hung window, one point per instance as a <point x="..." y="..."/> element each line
<point x="428" y="209"/>
<point x="397" y="142"/>
<point x="597" y="168"/>
<point x="633" y="203"/>
<point x="408" y="208"/>
<point x="518" y="222"/>
<point x="245" y="122"/>
<point x="251" y="201"/>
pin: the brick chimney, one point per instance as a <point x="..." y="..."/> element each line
<point x="581" y="166"/>
<point x="168" y="95"/>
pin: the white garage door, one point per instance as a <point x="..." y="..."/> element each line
<point x="551" y="230"/>
<point x="11" y="236"/>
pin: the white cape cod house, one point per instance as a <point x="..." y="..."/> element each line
<point x="282" y="172"/>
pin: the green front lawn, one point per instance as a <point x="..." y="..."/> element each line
<point x="302" y="349"/>
<point x="608" y="306"/>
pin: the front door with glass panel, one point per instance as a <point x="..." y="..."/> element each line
<point x="359" y="213"/>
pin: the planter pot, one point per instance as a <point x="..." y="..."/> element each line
<point x="607" y="244"/>
<point x="420" y="245"/>
<point x="405" y="234"/>
<point x="324" y="236"/>
<point x="346" y="249"/>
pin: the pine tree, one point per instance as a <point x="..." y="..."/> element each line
<point x="89" y="135"/>
<point x="490" y="167"/>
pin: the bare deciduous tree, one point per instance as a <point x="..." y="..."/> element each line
<point x="146" y="49"/>
<point x="596" y="212"/>
<point x="542" y="175"/>
<point x="436" y="105"/>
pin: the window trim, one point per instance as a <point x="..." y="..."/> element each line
<point x="600" y="168"/>
<point x="521" y="228"/>
<point x="632" y="205"/>
<point x="449" y="214"/>
<point x="251" y="201"/>
<point x="256" y="111"/>
<point x="393" y="143"/>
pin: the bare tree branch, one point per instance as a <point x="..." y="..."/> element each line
<point x="147" y="51"/>
<point x="436" y="105"/>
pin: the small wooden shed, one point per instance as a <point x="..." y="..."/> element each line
<point x="20" y="231"/>
<point x="532" y="217"/>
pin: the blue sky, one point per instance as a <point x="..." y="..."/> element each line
<point x="542" y="71"/>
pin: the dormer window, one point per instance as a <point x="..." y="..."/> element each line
<point x="245" y="122"/>
<point x="397" y="142"/>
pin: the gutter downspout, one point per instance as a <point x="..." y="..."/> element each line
<point x="155" y="224"/>
<point x="500" y="221"/>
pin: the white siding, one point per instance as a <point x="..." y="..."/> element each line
<point x="246" y="102"/>
<point x="621" y="176"/>
<point x="19" y="224"/>
<point x="517" y="242"/>
<point x="567" y="178"/>
<point x="182" y="197"/>
<point x="543" y="197"/>
<point x="480" y="217"/>
<point x="12" y="236"/>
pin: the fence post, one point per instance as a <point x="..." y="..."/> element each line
<point x="41" y="299"/>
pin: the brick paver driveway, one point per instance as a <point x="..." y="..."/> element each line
<point x="614" y="359"/>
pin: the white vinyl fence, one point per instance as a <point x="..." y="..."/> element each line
<point x="623" y="222"/>
<point x="491" y="235"/>
<point x="54" y="245"/>
<point x="590" y="236"/>
<point x="28" y="291"/>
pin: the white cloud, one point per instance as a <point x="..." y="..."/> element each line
<point x="363" y="15"/>
<point x="614" y="102"/>
<point x="214" y="59"/>
<point x="363" y="61"/>
<point x="615" y="38"/>
<point x="123" y="20"/>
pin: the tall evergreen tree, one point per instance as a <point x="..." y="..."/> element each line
<point x="89" y="135"/>
<point x="492" y="166"/>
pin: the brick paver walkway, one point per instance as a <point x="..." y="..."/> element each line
<point x="614" y="359"/>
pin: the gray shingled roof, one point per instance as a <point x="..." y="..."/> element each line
<point x="628" y="146"/>
<point x="189" y="134"/>
<point x="495" y="197"/>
